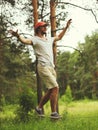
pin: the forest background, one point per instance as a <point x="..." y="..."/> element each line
<point x="77" y="70"/>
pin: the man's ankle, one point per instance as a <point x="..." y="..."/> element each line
<point x="39" y="108"/>
<point x="54" y="112"/>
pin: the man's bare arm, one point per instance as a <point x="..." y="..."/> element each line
<point x="21" y="39"/>
<point x="59" y="37"/>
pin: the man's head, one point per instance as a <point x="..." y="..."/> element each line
<point x="39" y="26"/>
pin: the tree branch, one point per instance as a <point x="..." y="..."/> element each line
<point x="42" y="9"/>
<point x="72" y="48"/>
<point x="69" y="47"/>
<point x="67" y="3"/>
<point x="12" y="36"/>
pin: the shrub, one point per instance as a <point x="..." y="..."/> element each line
<point x="68" y="96"/>
<point x="2" y="102"/>
<point x="27" y="102"/>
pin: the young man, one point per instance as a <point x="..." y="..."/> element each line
<point x="43" y="47"/>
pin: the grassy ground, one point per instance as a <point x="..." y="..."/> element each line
<point x="82" y="115"/>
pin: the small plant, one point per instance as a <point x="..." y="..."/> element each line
<point x="2" y="102"/>
<point x="68" y="96"/>
<point x="26" y="104"/>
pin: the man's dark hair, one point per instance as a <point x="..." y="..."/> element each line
<point x="36" y="30"/>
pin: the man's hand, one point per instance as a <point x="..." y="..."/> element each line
<point x="59" y="37"/>
<point x="68" y="23"/>
<point x="21" y="39"/>
<point x="14" y="33"/>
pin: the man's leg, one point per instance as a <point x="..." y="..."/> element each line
<point x="54" y="99"/>
<point x="44" y="99"/>
<point x="53" y="102"/>
<point x="51" y="94"/>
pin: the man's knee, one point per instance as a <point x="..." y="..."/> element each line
<point x="54" y="91"/>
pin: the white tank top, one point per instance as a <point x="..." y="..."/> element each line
<point x="44" y="50"/>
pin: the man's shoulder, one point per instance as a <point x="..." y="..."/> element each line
<point x="50" y="38"/>
<point x="34" y="38"/>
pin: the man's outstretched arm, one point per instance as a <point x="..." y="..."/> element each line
<point x="59" y="37"/>
<point x="21" y="39"/>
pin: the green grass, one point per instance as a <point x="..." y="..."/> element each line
<point x="8" y="112"/>
<point x="81" y="115"/>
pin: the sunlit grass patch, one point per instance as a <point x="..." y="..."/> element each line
<point x="84" y="108"/>
<point x="8" y="111"/>
<point x="80" y="115"/>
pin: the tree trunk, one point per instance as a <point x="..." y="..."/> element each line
<point x="53" y="29"/>
<point x="53" y="25"/>
<point x="39" y="83"/>
<point x="35" y="12"/>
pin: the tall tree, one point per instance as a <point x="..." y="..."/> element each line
<point x="39" y="83"/>
<point x="53" y="25"/>
<point x="15" y="63"/>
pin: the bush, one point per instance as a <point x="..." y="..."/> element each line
<point x="2" y="102"/>
<point x="27" y="102"/>
<point x="68" y="96"/>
